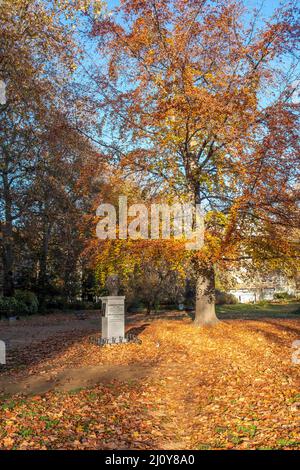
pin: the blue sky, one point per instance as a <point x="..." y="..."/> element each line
<point x="268" y="5"/>
<point x="267" y="8"/>
<point x="92" y="60"/>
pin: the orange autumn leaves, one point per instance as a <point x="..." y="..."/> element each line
<point x="194" y="91"/>
<point x="231" y="387"/>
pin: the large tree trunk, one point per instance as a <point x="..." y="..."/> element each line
<point x="205" y="313"/>
<point x="7" y="240"/>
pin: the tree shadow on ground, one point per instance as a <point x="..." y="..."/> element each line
<point x="285" y="327"/>
<point x="72" y="379"/>
<point x="33" y="354"/>
<point x="274" y="336"/>
<point x="136" y="331"/>
<point x="69" y="375"/>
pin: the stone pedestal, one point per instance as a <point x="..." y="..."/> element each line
<point x="113" y="319"/>
<point x="2" y="353"/>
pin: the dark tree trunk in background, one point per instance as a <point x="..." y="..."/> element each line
<point x="7" y="238"/>
<point x="42" y="279"/>
<point x="149" y="308"/>
<point x="205" y="313"/>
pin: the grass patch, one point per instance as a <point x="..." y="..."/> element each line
<point x="287" y="443"/>
<point x="260" y="309"/>
<point x="247" y="430"/>
<point x="203" y="446"/>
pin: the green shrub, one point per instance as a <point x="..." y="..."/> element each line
<point x="29" y="299"/>
<point x="77" y="305"/>
<point x="168" y="306"/>
<point x="283" y="296"/>
<point x="97" y="305"/>
<point x="56" y="303"/>
<point x="135" y="307"/>
<point x="262" y="303"/>
<point x="223" y="298"/>
<point x="59" y="303"/>
<point x="10" y="307"/>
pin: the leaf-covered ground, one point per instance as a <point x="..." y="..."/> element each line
<point x="233" y="386"/>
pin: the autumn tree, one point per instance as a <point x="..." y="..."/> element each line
<point x="200" y="98"/>
<point x="159" y="275"/>
<point x="42" y="153"/>
<point x="149" y="271"/>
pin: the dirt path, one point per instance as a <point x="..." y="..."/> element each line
<point x="72" y="379"/>
<point x="30" y="331"/>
